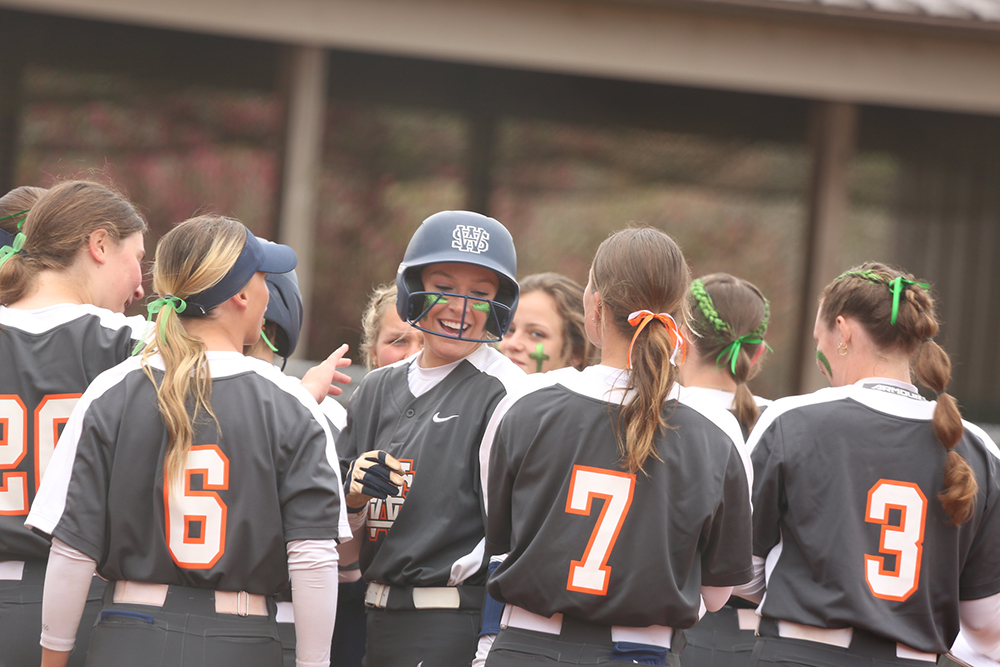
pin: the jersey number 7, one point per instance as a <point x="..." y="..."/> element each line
<point x="52" y="412"/>
<point x="591" y="573"/>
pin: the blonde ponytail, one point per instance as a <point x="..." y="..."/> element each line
<point x="192" y="257"/>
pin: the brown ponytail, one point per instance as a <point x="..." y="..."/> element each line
<point x="725" y="309"/>
<point x="642" y="269"/>
<point x="190" y="258"/>
<point x="862" y="294"/>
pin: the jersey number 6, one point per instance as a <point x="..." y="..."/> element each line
<point x="196" y="520"/>
<point x="52" y="412"/>
<point x="591" y="573"/>
<point x="905" y="541"/>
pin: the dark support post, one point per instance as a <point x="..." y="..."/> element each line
<point x="833" y="133"/>
<point x="482" y="147"/>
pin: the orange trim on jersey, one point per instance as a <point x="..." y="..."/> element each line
<point x="600" y="520"/>
<point x="4" y="488"/>
<point x="56" y="423"/>
<point x="887" y="528"/>
<point x="209" y="491"/>
<point x="202" y="522"/>
<point x="6" y="430"/>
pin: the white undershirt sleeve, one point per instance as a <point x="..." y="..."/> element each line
<point x="753" y="590"/>
<point x="67" y="581"/>
<point x="981" y="624"/>
<point x="312" y="566"/>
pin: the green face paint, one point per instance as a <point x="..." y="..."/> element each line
<point x="821" y="358"/>
<point x="432" y="300"/>
<point x="539" y="356"/>
<point x="481" y="306"/>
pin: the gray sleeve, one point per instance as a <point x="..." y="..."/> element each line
<point x="980" y="577"/>
<point x="726" y="560"/>
<point x="307" y="488"/>
<point x="84" y="520"/>
<point x="768" y="490"/>
<point x="501" y="482"/>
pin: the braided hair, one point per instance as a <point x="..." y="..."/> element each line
<point x="729" y="318"/>
<point x="898" y="313"/>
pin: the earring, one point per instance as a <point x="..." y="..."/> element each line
<point x="842" y="350"/>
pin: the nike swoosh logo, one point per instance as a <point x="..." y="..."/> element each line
<point x="437" y="418"/>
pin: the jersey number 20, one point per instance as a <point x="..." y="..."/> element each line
<point x="196" y="520"/>
<point x="591" y="573"/>
<point x="51" y="413"/>
<point x="905" y="541"/>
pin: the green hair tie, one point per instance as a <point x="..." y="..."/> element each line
<point x="896" y="286"/>
<point x="23" y="214"/>
<point x="178" y="305"/>
<point x="9" y="251"/>
<point x="731" y="352"/>
<point x="267" y="342"/>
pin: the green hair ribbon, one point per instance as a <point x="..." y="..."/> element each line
<point x="178" y="305"/>
<point x="896" y="285"/>
<point x="22" y="214"/>
<point x="731" y="352"/>
<point x="9" y="251"/>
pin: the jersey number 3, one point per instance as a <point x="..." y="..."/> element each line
<point x="591" y="573"/>
<point x="196" y="520"/>
<point x="51" y="413"/>
<point x="905" y="541"/>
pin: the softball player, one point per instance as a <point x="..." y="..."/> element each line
<point x="619" y="527"/>
<point x="385" y="339"/>
<point x="547" y="332"/>
<point x="729" y="318"/>
<point x="419" y="496"/>
<point x="73" y="265"/>
<point x="195" y="519"/>
<point x="876" y="510"/>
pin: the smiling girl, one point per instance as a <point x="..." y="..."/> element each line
<point x="413" y="431"/>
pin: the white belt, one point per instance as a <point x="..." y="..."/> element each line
<point x="11" y="570"/>
<point x="424" y="597"/>
<point x="155" y="595"/>
<point x="842" y="637"/>
<point x="516" y="617"/>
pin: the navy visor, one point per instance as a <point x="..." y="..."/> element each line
<point x="255" y="256"/>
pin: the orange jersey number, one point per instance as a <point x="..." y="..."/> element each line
<point x="905" y="541"/>
<point x="591" y="573"/>
<point x="196" y="520"/>
<point x="51" y="414"/>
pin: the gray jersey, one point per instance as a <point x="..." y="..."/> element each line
<point x="590" y="539"/>
<point x="255" y="482"/>
<point x="433" y="534"/>
<point x="847" y="516"/>
<point x="49" y="356"/>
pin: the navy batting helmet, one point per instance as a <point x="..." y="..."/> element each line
<point x="284" y="309"/>
<point x="466" y="238"/>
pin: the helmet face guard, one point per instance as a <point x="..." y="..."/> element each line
<point x="466" y="238"/>
<point x="498" y="315"/>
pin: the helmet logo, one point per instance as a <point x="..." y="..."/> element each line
<point x="469" y="238"/>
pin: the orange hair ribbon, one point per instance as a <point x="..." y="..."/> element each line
<point x="641" y="318"/>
